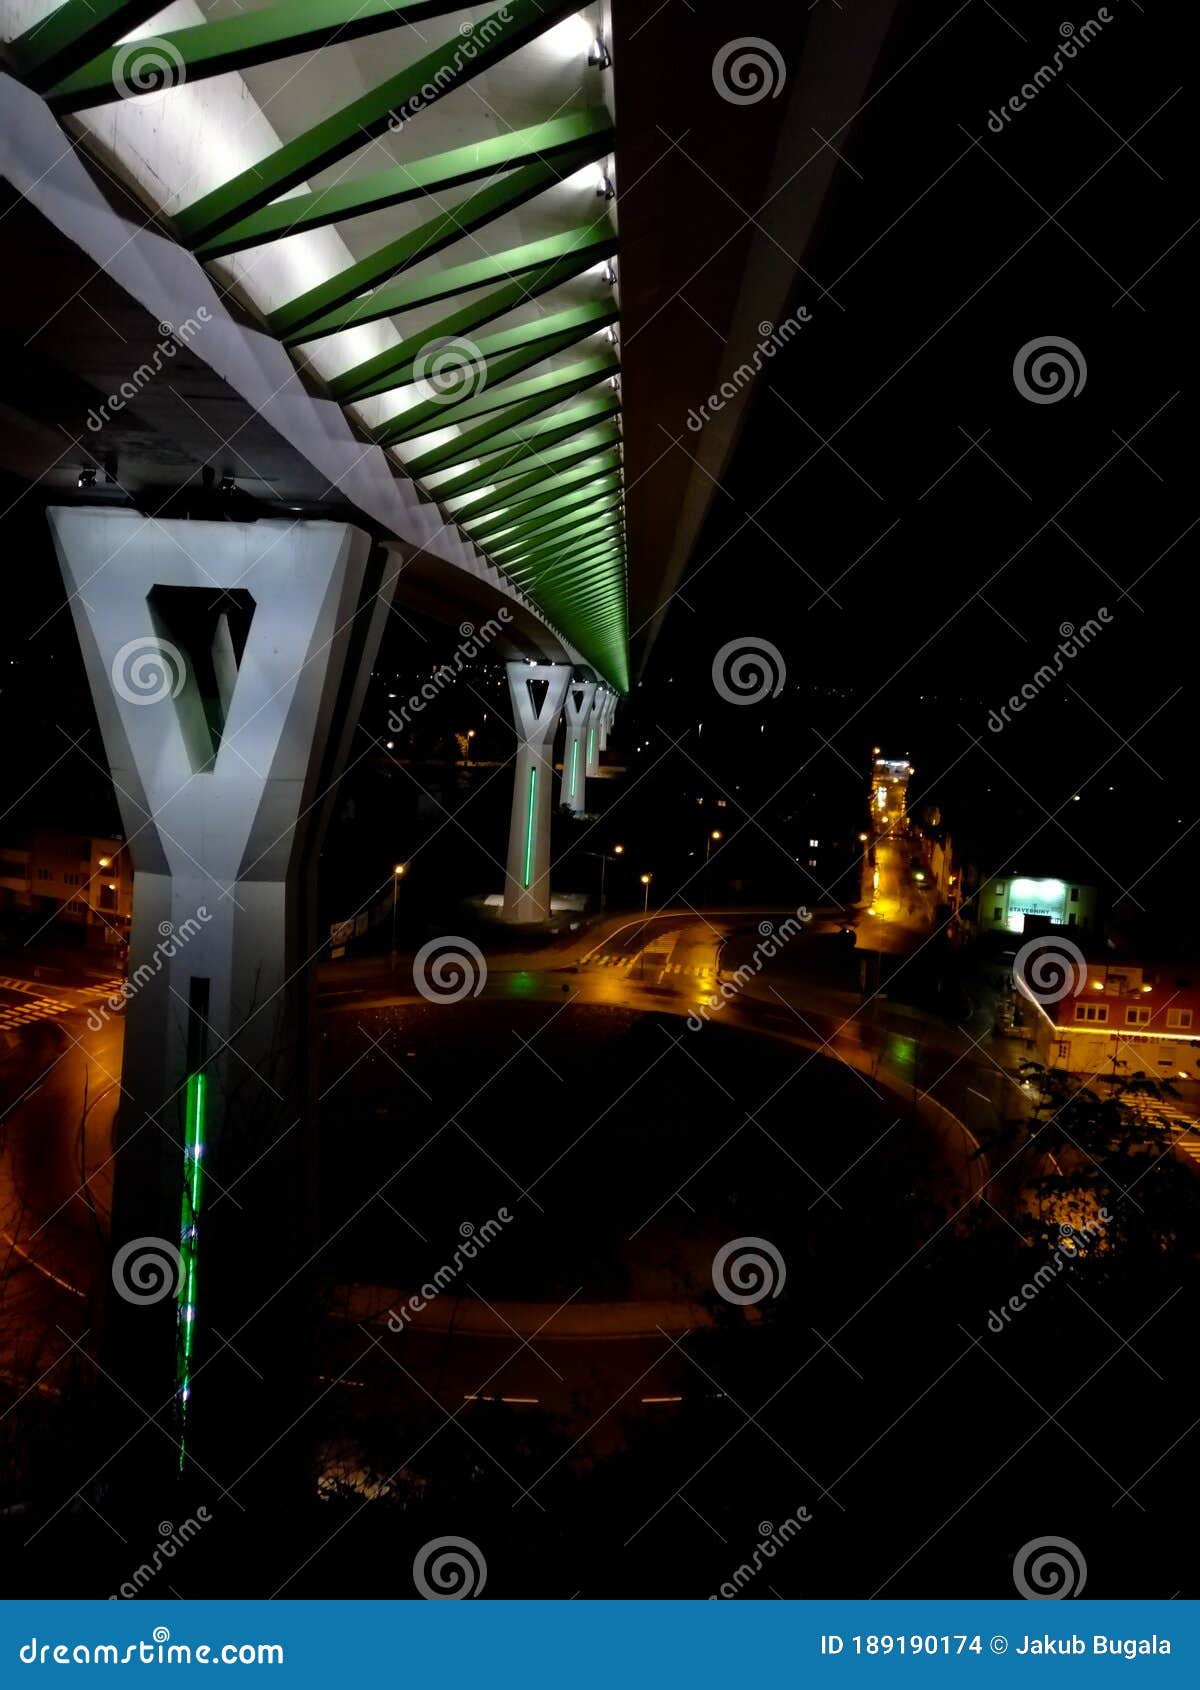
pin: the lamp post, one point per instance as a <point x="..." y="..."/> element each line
<point x="617" y="851"/>
<point x="646" y="879"/>
<point x="399" y="870"/>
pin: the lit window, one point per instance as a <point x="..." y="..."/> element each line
<point x="1179" y="1018"/>
<point x="1136" y="1017"/>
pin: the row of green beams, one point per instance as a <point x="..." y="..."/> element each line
<point x="399" y="183"/>
<point x="330" y="306"/>
<point x="542" y="490"/>
<point x="548" y="482"/>
<point x="550" y="464"/>
<point x="447" y="67"/>
<point x="395" y="367"/>
<point x="244" y="40"/>
<point x="521" y="400"/>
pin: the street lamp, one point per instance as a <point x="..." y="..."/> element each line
<point x="399" y="870"/>
<point x="617" y="851"/>
<point x="646" y="879"/>
<point x="710" y="842"/>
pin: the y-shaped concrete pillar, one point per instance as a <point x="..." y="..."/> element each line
<point x="537" y="691"/>
<point x="227" y="663"/>
<point x="595" y="720"/>
<point x="606" y="718"/>
<point x="577" y="707"/>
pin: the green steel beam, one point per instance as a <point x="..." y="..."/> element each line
<point x="73" y="34"/>
<point x="507" y="468"/>
<point x="595" y="545"/>
<point x="514" y="445"/>
<point x="554" y="479"/>
<point x="547" y="465"/>
<point x="528" y="532"/>
<point x="541" y="142"/>
<point x="396" y="366"/>
<point x="238" y="43"/>
<point x="573" y="567"/>
<point x="532" y="509"/>
<point x="563" y="254"/>
<point x="607" y="525"/>
<point x="436" y="413"/>
<point x="449" y="66"/>
<point x="321" y="310"/>
<point x="528" y="399"/>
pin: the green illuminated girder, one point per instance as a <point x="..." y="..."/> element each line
<point x="467" y="54"/>
<point x="605" y="546"/>
<point x="573" y="568"/>
<point x="244" y="40"/>
<point x="528" y="399"/>
<point x="547" y="466"/>
<point x="394" y="368"/>
<point x="541" y="142"/>
<point x="523" y="518"/>
<point x="607" y="526"/>
<point x="322" y="310"/>
<point x="530" y="533"/>
<point x="436" y="413"/>
<point x="555" y="479"/>
<point x="507" y="470"/>
<point x="70" y="36"/>
<point x="521" y="443"/>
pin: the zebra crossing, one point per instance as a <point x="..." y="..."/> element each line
<point x="689" y="970"/>
<point x="38" y="1005"/>
<point x="1185" y="1128"/>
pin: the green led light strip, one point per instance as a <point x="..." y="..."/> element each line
<point x="574" y="763"/>
<point x="189" y="1245"/>
<point x="529" y="827"/>
<point x="591" y="745"/>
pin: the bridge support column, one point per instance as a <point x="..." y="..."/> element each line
<point x="594" y="723"/>
<point x="606" y="718"/>
<point x="227" y="663"/>
<point x="577" y="706"/>
<point x="537" y="691"/>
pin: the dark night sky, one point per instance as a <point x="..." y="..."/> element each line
<point x="913" y="581"/>
<point x="928" y="577"/>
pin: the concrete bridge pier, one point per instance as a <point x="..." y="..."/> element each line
<point x="607" y="713"/>
<point x="227" y="663"/>
<point x="537" y="691"/>
<point x="577" y="706"/>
